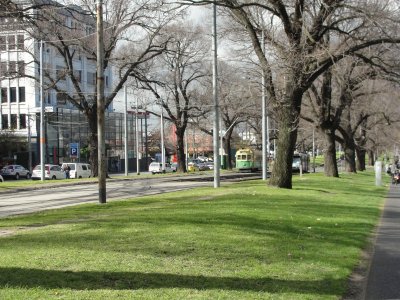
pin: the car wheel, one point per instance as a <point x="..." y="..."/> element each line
<point x="17" y="176"/>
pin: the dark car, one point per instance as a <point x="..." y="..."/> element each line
<point x="15" y="171"/>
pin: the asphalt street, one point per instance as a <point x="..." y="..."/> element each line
<point x="384" y="273"/>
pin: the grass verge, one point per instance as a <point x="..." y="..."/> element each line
<point x="241" y="241"/>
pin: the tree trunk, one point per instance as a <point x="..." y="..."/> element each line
<point x="180" y="149"/>
<point x="92" y="141"/>
<point x="349" y="145"/>
<point x="360" y="163"/>
<point x="229" y="150"/>
<point x="330" y="162"/>
<point x="287" y="117"/>
<point x="350" y="156"/>
<point x="371" y="157"/>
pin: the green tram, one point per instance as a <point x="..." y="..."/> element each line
<point x="248" y="160"/>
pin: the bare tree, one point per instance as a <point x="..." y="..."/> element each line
<point x="294" y="32"/>
<point x="129" y="44"/>
<point x="176" y="80"/>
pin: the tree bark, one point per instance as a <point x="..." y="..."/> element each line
<point x="330" y="162"/>
<point x="371" y="157"/>
<point x="92" y="141"/>
<point x="229" y="150"/>
<point x="180" y="149"/>
<point x="361" y="155"/>
<point x="350" y="156"/>
<point x="287" y="117"/>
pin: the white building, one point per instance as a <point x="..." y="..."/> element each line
<point x="19" y="77"/>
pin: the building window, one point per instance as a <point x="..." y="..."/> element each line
<point x="20" y="42"/>
<point x="60" y="73"/>
<point x="4" y="121"/>
<point x="61" y="98"/>
<point x="21" y="68"/>
<point x="11" y="42"/>
<point x="91" y="78"/>
<point x="12" y="68"/>
<point x="4" y="96"/>
<point x="22" y="121"/>
<point x="13" y="94"/>
<point x="3" y="43"/>
<point x="21" y="94"/>
<point x="3" y="68"/>
<point x="14" y="121"/>
<point x="78" y="75"/>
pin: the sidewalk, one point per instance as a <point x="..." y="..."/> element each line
<point x="383" y="280"/>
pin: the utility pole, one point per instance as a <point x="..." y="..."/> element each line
<point x="126" y="131"/>
<point x="162" y="140"/>
<point x="137" y="137"/>
<point x="264" y="130"/>
<point x="101" y="152"/>
<point x="42" y="133"/>
<point x="217" y="164"/>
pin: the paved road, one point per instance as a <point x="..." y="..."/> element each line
<point x="384" y="275"/>
<point x="33" y="200"/>
<point x="61" y="196"/>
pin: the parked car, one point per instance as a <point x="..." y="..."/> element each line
<point x="203" y="166"/>
<point x="15" y="171"/>
<point x="1" y="178"/>
<point x="78" y="170"/>
<point x="51" y="172"/>
<point x="156" y="167"/>
<point x="210" y="165"/>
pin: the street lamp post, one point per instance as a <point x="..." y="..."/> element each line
<point x="217" y="164"/>
<point x="101" y="152"/>
<point x="162" y="140"/>
<point x="126" y="131"/>
<point x="137" y="138"/>
<point x="42" y="133"/>
<point x="265" y="149"/>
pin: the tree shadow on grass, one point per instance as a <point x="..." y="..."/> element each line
<point x="90" y="280"/>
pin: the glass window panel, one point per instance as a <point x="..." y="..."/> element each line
<point x="13" y="94"/>
<point x="11" y="42"/>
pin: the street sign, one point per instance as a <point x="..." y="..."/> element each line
<point x="74" y="150"/>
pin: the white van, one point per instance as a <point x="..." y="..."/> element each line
<point x="78" y="170"/>
<point x="156" y="167"/>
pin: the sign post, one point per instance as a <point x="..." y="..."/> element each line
<point x="74" y="150"/>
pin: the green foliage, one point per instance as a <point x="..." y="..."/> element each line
<point x="242" y="241"/>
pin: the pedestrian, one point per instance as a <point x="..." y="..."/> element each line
<point x="67" y="170"/>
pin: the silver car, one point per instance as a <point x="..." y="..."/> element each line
<point x="15" y="171"/>
<point x="50" y="172"/>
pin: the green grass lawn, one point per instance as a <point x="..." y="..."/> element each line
<point x="241" y="241"/>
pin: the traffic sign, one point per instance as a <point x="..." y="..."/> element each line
<point x="74" y="150"/>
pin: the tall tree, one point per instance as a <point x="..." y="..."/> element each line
<point x="294" y="32"/>
<point x="176" y="80"/>
<point x="129" y="44"/>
